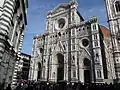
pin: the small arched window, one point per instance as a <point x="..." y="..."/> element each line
<point x="94" y="27"/>
<point x="39" y="66"/>
<point x="53" y="75"/>
<point x="99" y="74"/>
<point x="117" y="6"/>
<point x="74" y="73"/>
<point x="64" y="47"/>
<point x="73" y="59"/>
<point x="41" y="50"/>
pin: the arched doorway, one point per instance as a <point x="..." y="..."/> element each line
<point x="39" y="71"/>
<point x="87" y="70"/>
<point x="60" y="69"/>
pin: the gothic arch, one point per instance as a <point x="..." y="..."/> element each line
<point x="87" y="70"/>
<point x="59" y="52"/>
<point x="117" y="6"/>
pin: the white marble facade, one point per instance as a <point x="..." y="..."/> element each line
<point x="70" y="50"/>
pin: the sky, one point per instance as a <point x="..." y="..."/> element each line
<point x="37" y="11"/>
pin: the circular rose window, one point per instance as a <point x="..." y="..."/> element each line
<point x="61" y="23"/>
<point x="85" y="42"/>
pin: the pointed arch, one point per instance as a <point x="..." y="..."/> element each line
<point x="87" y="70"/>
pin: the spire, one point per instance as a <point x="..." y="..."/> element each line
<point x="75" y="2"/>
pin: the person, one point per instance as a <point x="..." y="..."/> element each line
<point x="2" y="86"/>
<point x="9" y="87"/>
<point x="18" y="87"/>
<point x="24" y="86"/>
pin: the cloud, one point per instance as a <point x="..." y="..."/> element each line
<point x="36" y="7"/>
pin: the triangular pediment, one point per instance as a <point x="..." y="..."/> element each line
<point x="61" y="7"/>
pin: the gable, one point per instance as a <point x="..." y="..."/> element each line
<point x="61" y="7"/>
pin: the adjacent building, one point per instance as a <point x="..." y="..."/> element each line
<point x="113" y="12"/>
<point x="71" y="49"/>
<point x="22" y="67"/>
<point x="12" y="24"/>
<point x="108" y="62"/>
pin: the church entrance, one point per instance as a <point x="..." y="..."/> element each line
<point x="87" y="76"/>
<point x="87" y="70"/>
<point x="39" y="71"/>
<point x="60" y="69"/>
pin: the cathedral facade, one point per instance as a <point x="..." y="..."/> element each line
<point x="70" y="50"/>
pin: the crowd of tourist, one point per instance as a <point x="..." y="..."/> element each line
<point x="31" y="85"/>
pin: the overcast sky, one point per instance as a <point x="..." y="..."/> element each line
<point x="36" y="16"/>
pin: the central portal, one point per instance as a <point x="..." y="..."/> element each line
<point x="87" y="72"/>
<point x="60" y="69"/>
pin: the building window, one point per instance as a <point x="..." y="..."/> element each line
<point x="59" y="34"/>
<point x="73" y="32"/>
<point x="50" y="50"/>
<point x="53" y="75"/>
<point x="20" y="18"/>
<point x="73" y="59"/>
<point x="74" y="73"/>
<point x="85" y="42"/>
<point x="73" y="41"/>
<point x="88" y="27"/>
<point x="118" y="74"/>
<point x="17" y="4"/>
<point x="94" y="27"/>
<point x="44" y="60"/>
<point x="99" y="73"/>
<point x="64" y="47"/>
<point x="96" y="43"/>
<point x="41" y="50"/>
<point x="61" y="23"/>
<point x="45" y="51"/>
<point x="72" y="16"/>
<point x="97" y="57"/>
<point x="73" y="44"/>
<point x="43" y="72"/>
<point x="117" y="6"/>
<point x="95" y="37"/>
<point x="10" y="32"/>
<point x="15" y="39"/>
<point x="83" y="28"/>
